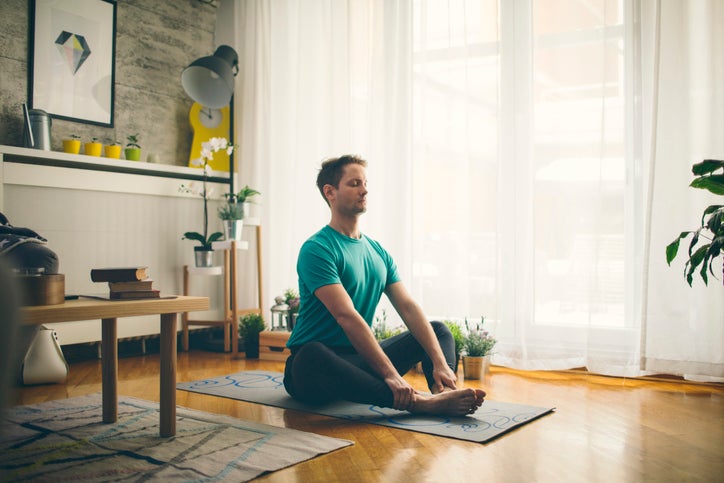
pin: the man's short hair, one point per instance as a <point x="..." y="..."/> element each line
<point x="332" y="171"/>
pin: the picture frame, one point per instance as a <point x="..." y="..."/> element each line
<point x="72" y="59"/>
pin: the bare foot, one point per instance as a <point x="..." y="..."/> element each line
<point x="458" y="402"/>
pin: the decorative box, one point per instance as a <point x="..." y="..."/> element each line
<point x="272" y="345"/>
<point x="42" y="289"/>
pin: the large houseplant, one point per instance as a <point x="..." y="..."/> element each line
<point x="203" y="252"/>
<point x="709" y="175"/>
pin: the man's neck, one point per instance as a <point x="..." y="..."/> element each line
<point x="346" y="226"/>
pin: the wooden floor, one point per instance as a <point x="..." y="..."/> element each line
<point x="604" y="429"/>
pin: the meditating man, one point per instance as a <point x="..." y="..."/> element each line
<point x="342" y="275"/>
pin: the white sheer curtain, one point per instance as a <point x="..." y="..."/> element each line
<point x="505" y="149"/>
<point x="684" y="327"/>
<point x="320" y="79"/>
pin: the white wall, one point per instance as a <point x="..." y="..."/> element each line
<point x="101" y="219"/>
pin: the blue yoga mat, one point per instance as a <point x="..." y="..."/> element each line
<point x="492" y="420"/>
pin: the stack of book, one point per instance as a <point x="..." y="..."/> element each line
<point x="126" y="283"/>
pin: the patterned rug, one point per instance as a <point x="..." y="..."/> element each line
<point x="66" y="440"/>
<point x="492" y="420"/>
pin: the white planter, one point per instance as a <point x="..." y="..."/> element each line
<point x="203" y="258"/>
<point x="232" y="229"/>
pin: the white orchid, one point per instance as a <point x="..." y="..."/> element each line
<point x="208" y="149"/>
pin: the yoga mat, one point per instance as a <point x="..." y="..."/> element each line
<point x="492" y="420"/>
<point x="65" y="440"/>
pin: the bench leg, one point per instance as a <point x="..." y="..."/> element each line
<point x="168" y="375"/>
<point x="109" y="369"/>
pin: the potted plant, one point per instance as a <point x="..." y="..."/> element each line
<point x="380" y="329"/>
<point x="94" y="147"/>
<point x="709" y="176"/>
<point x="71" y="144"/>
<point x="458" y="337"/>
<point x="291" y="297"/>
<point x="250" y="325"/>
<point x="113" y="150"/>
<point x="244" y="196"/>
<point x="231" y="214"/>
<point x="203" y="253"/>
<point x="133" y="149"/>
<point x="477" y="345"/>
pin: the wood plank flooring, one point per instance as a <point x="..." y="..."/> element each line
<point x="604" y="429"/>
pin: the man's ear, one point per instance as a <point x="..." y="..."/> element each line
<point x="328" y="190"/>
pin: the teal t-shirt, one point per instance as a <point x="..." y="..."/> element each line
<point x="363" y="268"/>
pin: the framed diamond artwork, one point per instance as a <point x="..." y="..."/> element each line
<point x="72" y="59"/>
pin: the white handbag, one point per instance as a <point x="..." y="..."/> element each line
<point x="44" y="362"/>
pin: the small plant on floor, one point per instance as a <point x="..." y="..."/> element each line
<point x="477" y="342"/>
<point x="250" y="325"/>
<point x="458" y="336"/>
<point x="380" y="329"/>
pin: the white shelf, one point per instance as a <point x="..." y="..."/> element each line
<point x="226" y="245"/>
<point x="206" y="270"/>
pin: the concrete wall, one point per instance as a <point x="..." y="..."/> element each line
<point x="155" y="40"/>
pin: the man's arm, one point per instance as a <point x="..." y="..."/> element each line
<point x="340" y="305"/>
<point x="415" y="320"/>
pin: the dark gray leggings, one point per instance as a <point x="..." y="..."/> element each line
<point x="318" y="374"/>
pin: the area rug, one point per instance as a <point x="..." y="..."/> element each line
<point x="492" y="420"/>
<point x="66" y="440"/>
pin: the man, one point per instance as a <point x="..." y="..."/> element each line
<point x="342" y="275"/>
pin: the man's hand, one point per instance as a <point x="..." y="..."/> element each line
<point x="444" y="378"/>
<point x="402" y="392"/>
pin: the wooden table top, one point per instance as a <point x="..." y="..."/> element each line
<point x="91" y="308"/>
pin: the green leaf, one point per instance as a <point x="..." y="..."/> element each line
<point x="714" y="223"/>
<point x="192" y="235"/>
<point x="707" y="166"/>
<point x="696" y="260"/>
<point x="214" y="237"/>
<point x="713" y="183"/>
<point x="702" y="272"/>
<point x="694" y="241"/>
<point x="673" y="248"/>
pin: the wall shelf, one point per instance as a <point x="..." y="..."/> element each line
<point x="58" y="159"/>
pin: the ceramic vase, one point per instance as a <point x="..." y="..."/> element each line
<point x="93" y="149"/>
<point x="133" y="154"/>
<point x="113" y="151"/>
<point x="71" y="146"/>
<point x="475" y="367"/>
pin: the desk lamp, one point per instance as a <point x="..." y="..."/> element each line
<point x="210" y="82"/>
